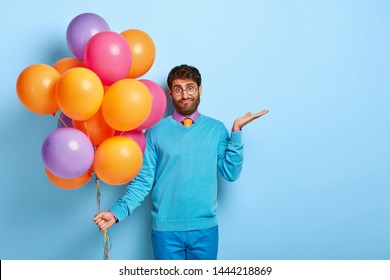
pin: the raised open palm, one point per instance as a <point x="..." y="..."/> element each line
<point x="240" y="122"/>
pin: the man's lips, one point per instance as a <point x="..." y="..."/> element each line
<point x="185" y="102"/>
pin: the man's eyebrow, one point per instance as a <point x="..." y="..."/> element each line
<point x="189" y="84"/>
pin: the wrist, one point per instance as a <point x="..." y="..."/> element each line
<point x="113" y="215"/>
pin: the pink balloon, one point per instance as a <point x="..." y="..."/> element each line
<point x="137" y="136"/>
<point x="108" y="54"/>
<point x="159" y="104"/>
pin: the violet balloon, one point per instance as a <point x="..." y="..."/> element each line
<point x="82" y="28"/>
<point x="67" y="153"/>
<point x="159" y="104"/>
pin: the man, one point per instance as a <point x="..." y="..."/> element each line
<point x="182" y="156"/>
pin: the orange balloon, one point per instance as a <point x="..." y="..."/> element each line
<point x="36" y="88"/>
<point x="118" y="160"/>
<point x="68" y="184"/>
<point x="79" y="93"/>
<point x="95" y="128"/>
<point x="67" y="63"/>
<point x="126" y="104"/>
<point x="143" y="52"/>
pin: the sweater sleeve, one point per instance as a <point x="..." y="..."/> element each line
<point x="230" y="156"/>
<point x="139" y="187"/>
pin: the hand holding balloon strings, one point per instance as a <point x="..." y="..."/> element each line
<point x="106" y="237"/>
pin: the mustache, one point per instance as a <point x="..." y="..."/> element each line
<point x="187" y="109"/>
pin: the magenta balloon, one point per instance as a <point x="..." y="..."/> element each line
<point x="137" y="136"/>
<point x="81" y="29"/>
<point x="66" y="121"/>
<point x="159" y="104"/>
<point x="67" y="153"/>
<point x="108" y="54"/>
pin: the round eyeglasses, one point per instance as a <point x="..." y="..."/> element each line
<point x="178" y="90"/>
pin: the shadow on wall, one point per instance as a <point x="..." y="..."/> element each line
<point x="169" y="110"/>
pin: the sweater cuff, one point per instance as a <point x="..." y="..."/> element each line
<point x="236" y="137"/>
<point x="115" y="216"/>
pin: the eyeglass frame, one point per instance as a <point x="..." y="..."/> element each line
<point x="184" y="89"/>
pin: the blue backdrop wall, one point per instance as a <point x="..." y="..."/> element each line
<point x="315" y="182"/>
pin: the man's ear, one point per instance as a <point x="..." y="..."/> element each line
<point x="170" y="93"/>
<point x="200" y="90"/>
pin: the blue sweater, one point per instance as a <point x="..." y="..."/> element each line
<point x="180" y="166"/>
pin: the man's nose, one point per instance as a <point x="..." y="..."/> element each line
<point x="185" y="94"/>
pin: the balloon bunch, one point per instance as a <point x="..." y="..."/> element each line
<point x="104" y="107"/>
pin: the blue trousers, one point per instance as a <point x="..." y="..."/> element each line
<point x="186" y="245"/>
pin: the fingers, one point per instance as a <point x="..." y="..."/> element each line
<point x="258" y="115"/>
<point x="261" y="113"/>
<point x="251" y="117"/>
<point x="98" y="216"/>
<point x="99" y="221"/>
<point x="102" y="221"/>
<point x="101" y="224"/>
<point x="255" y="116"/>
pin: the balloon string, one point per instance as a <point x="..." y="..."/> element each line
<point x="97" y="181"/>
<point x="106" y="245"/>
<point x="86" y="128"/>
<point x="106" y="236"/>
<point x="59" y="116"/>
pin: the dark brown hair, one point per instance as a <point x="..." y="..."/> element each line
<point x="184" y="72"/>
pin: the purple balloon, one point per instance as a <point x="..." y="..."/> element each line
<point x="67" y="153"/>
<point x="66" y="121"/>
<point x="81" y="29"/>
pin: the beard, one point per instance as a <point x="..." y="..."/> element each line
<point x="186" y="107"/>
